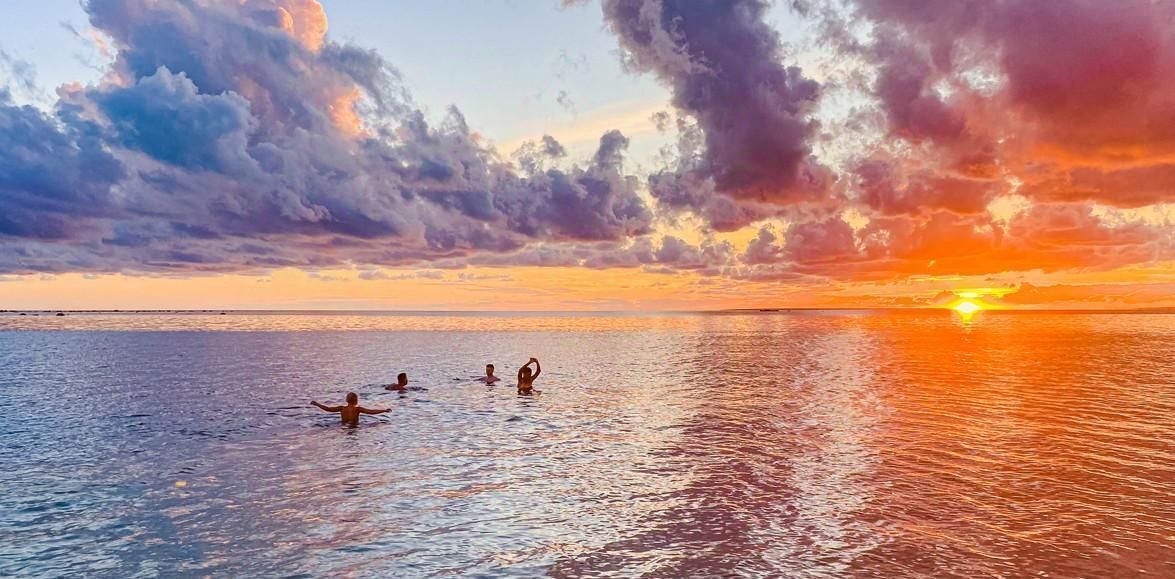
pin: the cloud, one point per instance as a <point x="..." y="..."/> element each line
<point x="723" y="64"/>
<point x="316" y="276"/>
<point x="1062" y="92"/>
<point x="484" y="277"/>
<point x="53" y="184"/>
<point x="1123" y="295"/>
<point x="564" y="100"/>
<point x="19" y="73"/>
<point x="820" y="242"/>
<point x="1128" y="187"/>
<point x="669" y="253"/>
<point x="1060" y="104"/>
<point x="239" y="136"/>
<point x="763" y="249"/>
<point x="382" y="275"/>
<point x="374" y="275"/>
<point x="1046" y="237"/>
<point x="148" y="116"/>
<point x="904" y="87"/>
<point x="598" y="202"/>
<point x="235" y="136"/>
<point x="888" y="188"/>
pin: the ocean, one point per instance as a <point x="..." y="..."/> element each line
<point x="773" y="444"/>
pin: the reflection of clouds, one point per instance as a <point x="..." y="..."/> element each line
<point x="833" y="461"/>
<point x="773" y="449"/>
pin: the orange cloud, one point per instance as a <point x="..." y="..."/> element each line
<point x="1099" y="296"/>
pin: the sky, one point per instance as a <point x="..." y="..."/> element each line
<point x="586" y="155"/>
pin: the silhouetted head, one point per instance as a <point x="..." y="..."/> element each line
<point x="352" y="398"/>
<point x="402" y="378"/>
<point x="526" y="371"/>
<point x="489" y="369"/>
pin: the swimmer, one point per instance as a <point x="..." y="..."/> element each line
<point x="349" y="414"/>
<point x="526" y="377"/>
<point x="401" y="383"/>
<point x="489" y="377"/>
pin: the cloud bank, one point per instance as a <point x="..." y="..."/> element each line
<point x="238" y="136"/>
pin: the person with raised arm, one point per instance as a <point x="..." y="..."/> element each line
<point x="526" y="377"/>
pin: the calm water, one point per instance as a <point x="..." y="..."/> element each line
<point x="802" y="445"/>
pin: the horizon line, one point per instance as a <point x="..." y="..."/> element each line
<point x="1161" y="309"/>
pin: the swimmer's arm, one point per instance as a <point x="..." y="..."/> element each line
<point x="363" y="410"/>
<point x="326" y="408"/>
<point x="538" y="369"/>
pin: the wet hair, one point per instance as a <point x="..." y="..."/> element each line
<point x="489" y="366"/>
<point x="402" y="377"/>
<point x="352" y="398"/>
<point x="526" y="371"/>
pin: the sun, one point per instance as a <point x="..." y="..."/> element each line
<point x="967" y="308"/>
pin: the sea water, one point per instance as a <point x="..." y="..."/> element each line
<point x="788" y="444"/>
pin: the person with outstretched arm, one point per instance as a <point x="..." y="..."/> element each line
<point x="526" y="377"/>
<point x="349" y="414"/>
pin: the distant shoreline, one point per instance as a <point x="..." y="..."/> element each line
<point x="55" y="312"/>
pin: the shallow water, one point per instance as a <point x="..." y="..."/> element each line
<point x="786" y="445"/>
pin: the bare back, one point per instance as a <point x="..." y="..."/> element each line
<point x="349" y="415"/>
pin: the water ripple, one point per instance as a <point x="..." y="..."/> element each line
<point x="806" y="445"/>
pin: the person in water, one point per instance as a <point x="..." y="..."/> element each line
<point x="401" y="383"/>
<point x="526" y="377"/>
<point x="489" y="377"/>
<point x="349" y="414"/>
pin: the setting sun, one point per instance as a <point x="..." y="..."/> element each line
<point x="967" y="308"/>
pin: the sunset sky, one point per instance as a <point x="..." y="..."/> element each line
<point x="623" y="154"/>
